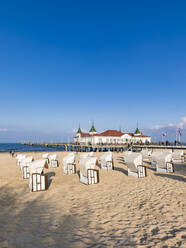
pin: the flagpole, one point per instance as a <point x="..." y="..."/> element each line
<point x="180" y="135"/>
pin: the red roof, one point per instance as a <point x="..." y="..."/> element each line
<point x="111" y="133"/>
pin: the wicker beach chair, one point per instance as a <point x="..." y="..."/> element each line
<point x="178" y="157"/>
<point x="88" y="173"/>
<point x="135" y="166"/>
<point x="163" y="161"/>
<point x="25" y="165"/>
<point x="38" y="181"/>
<point x="53" y="162"/>
<point x="69" y="164"/>
<point x="107" y="161"/>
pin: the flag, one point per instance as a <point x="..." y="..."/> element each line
<point x="164" y="134"/>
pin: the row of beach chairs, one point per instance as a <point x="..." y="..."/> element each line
<point x="34" y="170"/>
<point x="164" y="161"/>
<point x="87" y="163"/>
<point x="38" y="181"/>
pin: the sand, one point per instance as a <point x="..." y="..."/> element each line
<point x="120" y="211"/>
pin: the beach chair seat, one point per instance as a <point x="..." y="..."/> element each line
<point x="141" y="172"/>
<point x="88" y="173"/>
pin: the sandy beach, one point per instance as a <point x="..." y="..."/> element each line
<point x="120" y="211"/>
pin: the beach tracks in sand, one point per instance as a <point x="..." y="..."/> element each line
<point x="120" y="211"/>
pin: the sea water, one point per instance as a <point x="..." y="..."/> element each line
<point x="18" y="147"/>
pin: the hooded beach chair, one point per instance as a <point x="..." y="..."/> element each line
<point x="107" y="161"/>
<point x="135" y="166"/>
<point x="146" y="155"/>
<point x="69" y="164"/>
<point x="88" y="173"/>
<point x="19" y="159"/>
<point x="38" y="181"/>
<point x="163" y="161"/>
<point x="178" y="157"/>
<point x="46" y="157"/>
<point x="53" y="162"/>
<point x="25" y="167"/>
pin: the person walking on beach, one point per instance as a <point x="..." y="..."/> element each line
<point x="12" y="153"/>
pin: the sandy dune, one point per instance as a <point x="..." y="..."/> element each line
<point x="120" y="211"/>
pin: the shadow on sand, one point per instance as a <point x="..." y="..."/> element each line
<point x="50" y="175"/>
<point x="28" y="221"/>
<point x="171" y="176"/>
<point x="121" y="170"/>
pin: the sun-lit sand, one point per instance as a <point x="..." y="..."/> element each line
<point x="120" y="211"/>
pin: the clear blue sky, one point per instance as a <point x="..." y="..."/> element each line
<point x="68" y="62"/>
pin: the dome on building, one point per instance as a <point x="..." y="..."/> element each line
<point x="92" y="130"/>
<point x="137" y="131"/>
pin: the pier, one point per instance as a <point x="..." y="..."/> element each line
<point x="103" y="147"/>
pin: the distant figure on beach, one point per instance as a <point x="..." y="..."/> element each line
<point x="12" y="152"/>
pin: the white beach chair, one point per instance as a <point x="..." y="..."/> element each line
<point x="134" y="164"/>
<point x="88" y="173"/>
<point x="163" y="162"/>
<point x="46" y="156"/>
<point x="146" y="155"/>
<point x="178" y="157"/>
<point x="24" y="166"/>
<point x="19" y="160"/>
<point x="107" y="161"/>
<point x="53" y="162"/>
<point x="69" y="164"/>
<point x="38" y="181"/>
<point x="19" y="156"/>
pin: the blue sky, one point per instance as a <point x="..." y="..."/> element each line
<point x="68" y="62"/>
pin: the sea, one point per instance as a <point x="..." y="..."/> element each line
<point x="18" y="147"/>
